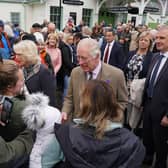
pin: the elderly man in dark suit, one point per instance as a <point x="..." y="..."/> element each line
<point x="91" y="67"/>
<point x="111" y="51"/>
<point x="155" y="122"/>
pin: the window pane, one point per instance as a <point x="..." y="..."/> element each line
<point x="55" y="14"/>
<point x="86" y="16"/>
<point x="15" y="17"/>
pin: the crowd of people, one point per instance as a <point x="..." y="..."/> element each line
<point x="67" y="97"/>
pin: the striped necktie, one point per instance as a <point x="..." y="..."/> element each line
<point x="153" y="77"/>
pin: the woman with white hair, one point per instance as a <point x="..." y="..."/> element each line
<point x="37" y="77"/>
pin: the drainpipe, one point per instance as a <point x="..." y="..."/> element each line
<point x="24" y="6"/>
<point x="60" y="15"/>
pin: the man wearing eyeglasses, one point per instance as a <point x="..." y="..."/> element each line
<point x="91" y="67"/>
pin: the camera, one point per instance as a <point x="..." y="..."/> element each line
<point x="6" y="110"/>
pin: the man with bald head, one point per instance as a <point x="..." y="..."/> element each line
<point x="91" y="67"/>
<point x="51" y="28"/>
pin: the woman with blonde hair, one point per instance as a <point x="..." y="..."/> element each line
<point x="37" y="77"/>
<point x="97" y="139"/>
<point x="54" y="52"/>
<point x="136" y="67"/>
<point x="138" y="60"/>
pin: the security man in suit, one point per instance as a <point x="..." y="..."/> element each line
<point x="155" y="121"/>
<point x="111" y="51"/>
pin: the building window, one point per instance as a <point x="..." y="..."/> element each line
<point x="86" y="16"/>
<point x="15" y="17"/>
<point x="55" y="15"/>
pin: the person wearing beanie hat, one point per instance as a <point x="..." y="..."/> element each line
<point x="36" y="27"/>
<point x="4" y="40"/>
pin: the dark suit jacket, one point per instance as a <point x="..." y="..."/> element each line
<point x="159" y="102"/>
<point x="67" y="64"/>
<point x="117" y="56"/>
<point x="146" y="63"/>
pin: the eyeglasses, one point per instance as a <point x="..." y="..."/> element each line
<point x="83" y="59"/>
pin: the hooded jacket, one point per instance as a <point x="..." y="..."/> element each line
<point x="40" y="117"/>
<point x="119" y="148"/>
<point x="6" y="37"/>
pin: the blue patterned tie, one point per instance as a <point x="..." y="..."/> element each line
<point x="153" y="77"/>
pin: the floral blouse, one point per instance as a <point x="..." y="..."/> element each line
<point x="134" y="66"/>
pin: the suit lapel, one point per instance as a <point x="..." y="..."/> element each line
<point x="102" y="75"/>
<point x="150" y="71"/>
<point x="112" y="52"/>
<point x="162" y="71"/>
<point x="103" y="49"/>
<point x="82" y="76"/>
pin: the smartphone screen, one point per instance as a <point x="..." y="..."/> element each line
<point x="6" y="110"/>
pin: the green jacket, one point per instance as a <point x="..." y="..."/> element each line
<point x="16" y="125"/>
<point x="19" y="147"/>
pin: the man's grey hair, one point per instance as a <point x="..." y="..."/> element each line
<point x="92" y="45"/>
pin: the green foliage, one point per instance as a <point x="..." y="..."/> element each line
<point x="152" y="25"/>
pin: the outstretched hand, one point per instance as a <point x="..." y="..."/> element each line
<point x="164" y="121"/>
<point x="64" y="117"/>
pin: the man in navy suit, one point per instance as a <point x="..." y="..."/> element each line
<point x="111" y="51"/>
<point x="155" y="121"/>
